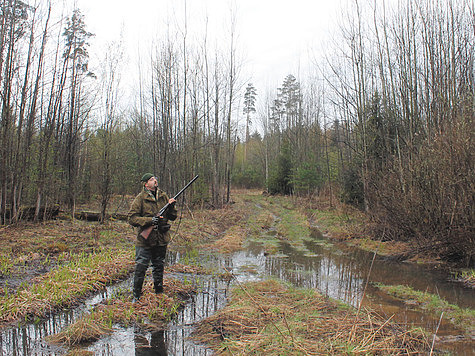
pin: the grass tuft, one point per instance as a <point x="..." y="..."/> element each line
<point x="87" y="329"/>
<point x="63" y="286"/>
<point x="273" y="319"/>
<point x="151" y="311"/>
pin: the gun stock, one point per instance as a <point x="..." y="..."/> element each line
<point x="146" y="232"/>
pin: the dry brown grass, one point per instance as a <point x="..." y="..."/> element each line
<point x="208" y="227"/>
<point x="43" y="238"/>
<point x="270" y="318"/>
<point x="181" y="268"/>
<point x="66" y="286"/>
<point x="36" y="249"/>
<point x="86" y="329"/>
<point x="231" y="241"/>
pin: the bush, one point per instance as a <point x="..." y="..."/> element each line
<point x="281" y="173"/>
<point x="427" y="197"/>
<point x="352" y="187"/>
<point x="248" y="178"/>
<point x="307" y="177"/>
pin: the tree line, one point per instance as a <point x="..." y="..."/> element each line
<point x="382" y="120"/>
<point x="385" y="123"/>
<point x="65" y="136"/>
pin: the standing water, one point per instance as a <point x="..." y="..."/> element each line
<point x="338" y="271"/>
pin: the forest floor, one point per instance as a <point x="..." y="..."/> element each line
<point x="56" y="264"/>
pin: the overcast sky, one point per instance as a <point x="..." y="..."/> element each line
<point x="274" y="36"/>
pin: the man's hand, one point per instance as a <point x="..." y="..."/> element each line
<point x="171" y="201"/>
<point x="156" y="220"/>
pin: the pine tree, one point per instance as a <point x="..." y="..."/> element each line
<point x="249" y="106"/>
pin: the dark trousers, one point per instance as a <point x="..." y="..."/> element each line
<point x="143" y="257"/>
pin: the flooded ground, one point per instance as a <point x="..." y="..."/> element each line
<point x="338" y="271"/>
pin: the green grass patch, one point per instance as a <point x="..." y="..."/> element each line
<point x="293" y="225"/>
<point x="109" y="236"/>
<point x="462" y="318"/>
<point x="6" y="265"/>
<point x="270" y="244"/>
<point x="275" y="220"/>
<point x="333" y="221"/>
<point x="259" y="223"/>
<point x="293" y="228"/>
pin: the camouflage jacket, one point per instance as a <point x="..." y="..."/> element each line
<point x="144" y="207"/>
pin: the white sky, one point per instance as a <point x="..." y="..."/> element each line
<point x="274" y="36"/>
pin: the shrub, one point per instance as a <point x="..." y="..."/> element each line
<point x="352" y="187"/>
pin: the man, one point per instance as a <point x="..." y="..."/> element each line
<point x="142" y="214"/>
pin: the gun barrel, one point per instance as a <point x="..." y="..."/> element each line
<point x="185" y="187"/>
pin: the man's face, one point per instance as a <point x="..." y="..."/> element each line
<point x="151" y="184"/>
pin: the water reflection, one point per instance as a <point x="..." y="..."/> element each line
<point x="129" y="341"/>
<point x="30" y="339"/>
<point x="154" y="347"/>
<point x="337" y="271"/>
<point x="340" y="272"/>
<point x="210" y="298"/>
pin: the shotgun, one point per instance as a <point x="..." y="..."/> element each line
<point x="162" y="211"/>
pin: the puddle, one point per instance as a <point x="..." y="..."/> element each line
<point x="338" y="271"/>
<point x="30" y="339"/>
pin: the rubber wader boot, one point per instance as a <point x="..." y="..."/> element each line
<point x="158" y="286"/>
<point x="139" y="278"/>
<point x="157" y="274"/>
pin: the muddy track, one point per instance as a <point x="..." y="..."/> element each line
<point x="258" y="238"/>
